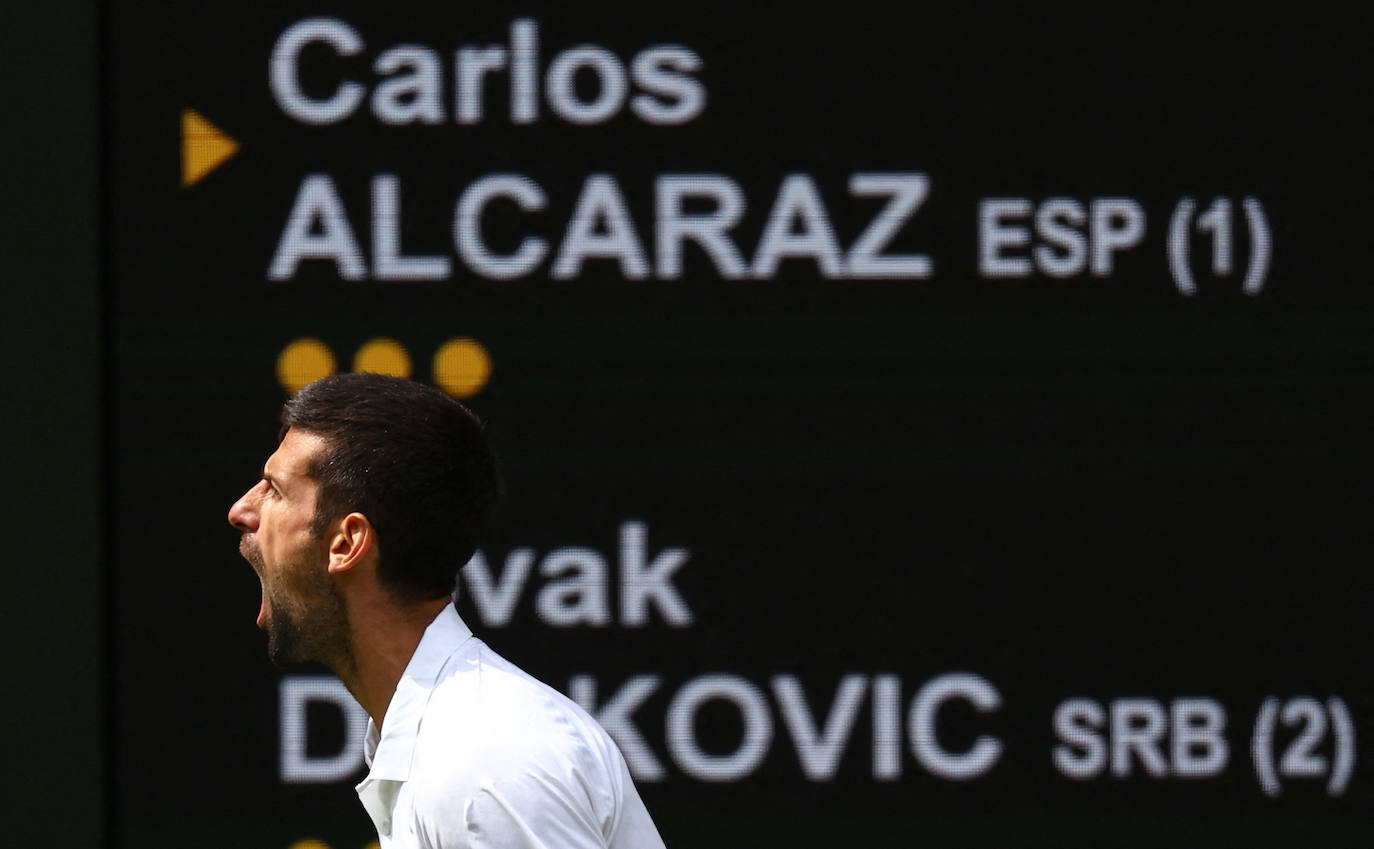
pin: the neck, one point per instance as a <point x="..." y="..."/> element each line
<point x="383" y="637"/>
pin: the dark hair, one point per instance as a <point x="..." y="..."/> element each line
<point x="412" y="460"/>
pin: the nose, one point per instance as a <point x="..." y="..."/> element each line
<point x="243" y="515"/>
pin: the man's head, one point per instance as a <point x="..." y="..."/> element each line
<point x="404" y="459"/>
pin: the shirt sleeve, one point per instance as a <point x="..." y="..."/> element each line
<point x="634" y="828"/>
<point x="512" y="808"/>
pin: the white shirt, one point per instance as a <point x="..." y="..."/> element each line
<point x="473" y="752"/>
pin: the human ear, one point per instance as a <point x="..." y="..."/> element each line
<point x="354" y="538"/>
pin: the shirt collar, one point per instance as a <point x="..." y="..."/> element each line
<point x="389" y="751"/>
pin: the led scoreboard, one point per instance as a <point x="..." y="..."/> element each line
<point x="942" y="427"/>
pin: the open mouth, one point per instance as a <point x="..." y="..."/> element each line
<point x="248" y="547"/>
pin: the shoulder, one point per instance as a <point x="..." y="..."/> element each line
<point x="497" y="745"/>
<point x="483" y="702"/>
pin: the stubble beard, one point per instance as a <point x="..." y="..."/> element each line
<point x="316" y="634"/>
<point x="313" y="626"/>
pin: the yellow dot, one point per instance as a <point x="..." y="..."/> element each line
<point x="462" y="367"/>
<point x="310" y="843"/>
<point x="304" y="361"/>
<point x="383" y="356"/>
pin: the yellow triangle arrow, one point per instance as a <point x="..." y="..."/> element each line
<point x="204" y="147"/>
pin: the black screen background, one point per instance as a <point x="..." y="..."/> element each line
<point x="1085" y="487"/>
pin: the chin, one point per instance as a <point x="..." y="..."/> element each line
<point x="283" y="642"/>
